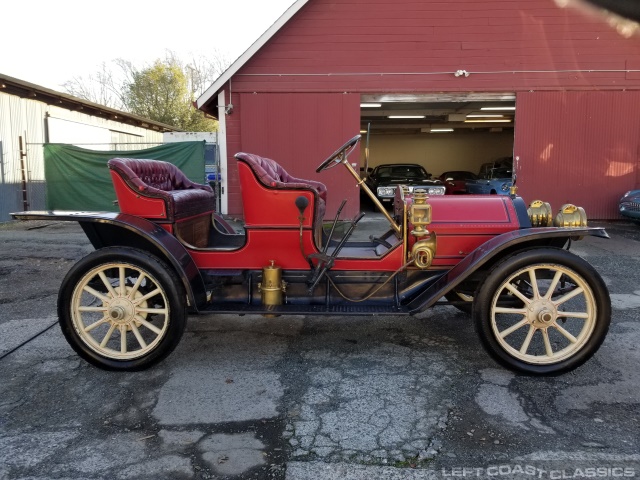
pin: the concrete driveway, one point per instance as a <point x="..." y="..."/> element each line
<point x="308" y="398"/>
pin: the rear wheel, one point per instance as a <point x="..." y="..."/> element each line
<point x="542" y="312"/>
<point x="122" y="309"/>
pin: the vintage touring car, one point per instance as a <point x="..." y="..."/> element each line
<point x="537" y="308"/>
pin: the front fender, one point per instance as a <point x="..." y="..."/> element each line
<point x="491" y="250"/>
<point x="107" y="229"/>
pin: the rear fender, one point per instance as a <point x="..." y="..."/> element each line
<point x="139" y="233"/>
<point x="119" y="229"/>
<point x="493" y="251"/>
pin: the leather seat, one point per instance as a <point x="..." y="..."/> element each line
<point x="155" y="179"/>
<point x="271" y="174"/>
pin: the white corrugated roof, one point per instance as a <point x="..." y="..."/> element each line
<point x="251" y="51"/>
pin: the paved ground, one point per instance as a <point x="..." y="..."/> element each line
<point x="308" y="398"/>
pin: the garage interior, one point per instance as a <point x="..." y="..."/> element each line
<point x="441" y="132"/>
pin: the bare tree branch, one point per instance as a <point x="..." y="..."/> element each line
<point x="163" y="91"/>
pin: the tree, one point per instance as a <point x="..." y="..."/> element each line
<point x="103" y="87"/>
<point x="161" y="93"/>
<point x="164" y="91"/>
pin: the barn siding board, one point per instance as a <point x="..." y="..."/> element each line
<point x="421" y="33"/>
<point x="488" y="83"/>
<point x="234" y="145"/>
<point x="479" y="64"/>
<point x="578" y="147"/>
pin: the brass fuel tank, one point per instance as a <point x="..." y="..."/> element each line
<point x="272" y="286"/>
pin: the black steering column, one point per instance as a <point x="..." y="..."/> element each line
<point x="340" y="156"/>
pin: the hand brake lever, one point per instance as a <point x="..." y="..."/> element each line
<point x="325" y="262"/>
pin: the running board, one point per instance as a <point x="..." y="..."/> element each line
<point x="364" y="310"/>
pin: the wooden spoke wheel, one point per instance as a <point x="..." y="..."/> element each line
<point x="544" y="311"/>
<point x="122" y="309"/>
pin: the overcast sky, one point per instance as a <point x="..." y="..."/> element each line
<point x="48" y="42"/>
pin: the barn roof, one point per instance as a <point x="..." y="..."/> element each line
<point x="23" y="89"/>
<point x="213" y="90"/>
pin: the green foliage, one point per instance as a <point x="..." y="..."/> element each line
<point x="161" y="93"/>
<point x="164" y="91"/>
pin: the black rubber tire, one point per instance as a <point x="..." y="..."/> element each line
<point x="453" y="296"/>
<point x="165" y="278"/>
<point x="543" y="256"/>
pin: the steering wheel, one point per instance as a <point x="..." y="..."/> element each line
<point x="339" y="155"/>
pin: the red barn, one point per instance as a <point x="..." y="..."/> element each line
<point x="448" y="84"/>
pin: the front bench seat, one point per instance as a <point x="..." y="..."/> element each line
<point x="271" y="174"/>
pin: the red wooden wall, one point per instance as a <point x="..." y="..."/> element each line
<point x="409" y="45"/>
<point x="299" y="131"/>
<point x="578" y="147"/>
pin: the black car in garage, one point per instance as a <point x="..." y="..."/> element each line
<point x="384" y="179"/>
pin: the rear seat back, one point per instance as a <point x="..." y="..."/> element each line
<point x="158" y="190"/>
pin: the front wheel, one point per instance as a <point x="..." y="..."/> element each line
<point x="542" y="312"/>
<point x="122" y="309"/>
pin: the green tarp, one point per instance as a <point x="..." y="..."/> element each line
<point x="79" y="179"/>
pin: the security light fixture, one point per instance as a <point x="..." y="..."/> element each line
<point x="498" y="108"/>
<point x="489" y="120"/>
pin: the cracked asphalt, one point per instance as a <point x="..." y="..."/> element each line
<point x="308" y="398"/>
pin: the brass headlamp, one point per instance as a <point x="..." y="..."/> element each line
<point x="420" y="213"/>
<point x="424" y="250"/>
<point x="570" y="216"/>
<point x="540" y="214"/>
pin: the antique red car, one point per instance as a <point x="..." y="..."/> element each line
<point x="537" y="308"/>
<point x="455" y="181"/>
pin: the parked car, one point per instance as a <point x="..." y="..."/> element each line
<point x="384" y="179"/>
<point x="629" y="205"/>
<point x="537" y="307"/>
<point x="494" y="178"/>
<point x="455" y="181"/>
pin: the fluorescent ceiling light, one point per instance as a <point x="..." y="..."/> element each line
<point x="441" y="130"/>
<point x="498" y="108"/>
<point x="363" y="131"/>
<point x="406" y="116"/>
<point x="370" y="105"/>
<point x="488" y="121"/>
<point x="488" y="115"/>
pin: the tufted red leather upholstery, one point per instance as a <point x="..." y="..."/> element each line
<point x="271" y="174"/>
<point x="157" y="179"/>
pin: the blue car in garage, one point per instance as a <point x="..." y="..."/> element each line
<point x="495" y="178"/>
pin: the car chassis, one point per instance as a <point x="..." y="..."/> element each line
<point x="537" y="308"/>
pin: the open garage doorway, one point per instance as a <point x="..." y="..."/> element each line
<point x="443" y="133"/>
